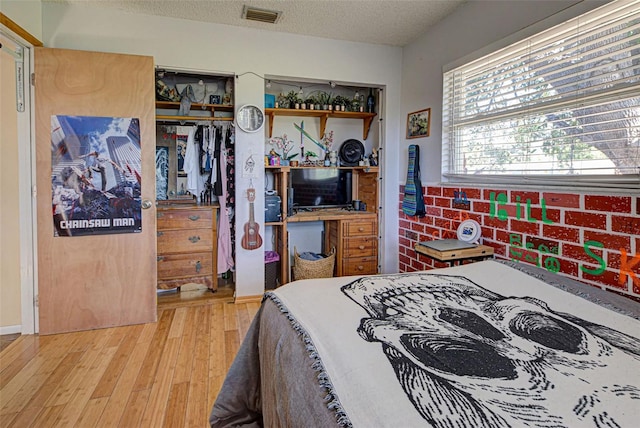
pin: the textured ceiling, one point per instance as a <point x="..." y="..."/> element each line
<point x="386" y="22"/>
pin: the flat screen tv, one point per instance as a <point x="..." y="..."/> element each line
<point x="321" y="188"/>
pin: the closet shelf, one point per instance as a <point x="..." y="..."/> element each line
<point x="324" y="115"/>
<point x="175" y="105"/>
<point x="165" y="118"/>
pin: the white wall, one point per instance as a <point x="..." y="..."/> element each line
<point x="25" y="13"/>
<point x="473" y="26"/>
<point x="219" y="48"/>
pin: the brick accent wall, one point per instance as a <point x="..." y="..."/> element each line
<point x="591" y="237"/>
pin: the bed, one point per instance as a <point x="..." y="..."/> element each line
<point x="488" y="344"/>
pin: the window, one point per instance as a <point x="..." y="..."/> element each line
<point x="561" y="105"/>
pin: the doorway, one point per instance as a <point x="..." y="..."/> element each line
<point x="17" y="269"/>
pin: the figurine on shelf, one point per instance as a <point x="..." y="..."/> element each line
<point x="373" y="158"/>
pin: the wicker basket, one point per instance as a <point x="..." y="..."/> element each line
<point x="306" y="269"/>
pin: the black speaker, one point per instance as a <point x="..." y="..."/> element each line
<point x="272" y="211"/>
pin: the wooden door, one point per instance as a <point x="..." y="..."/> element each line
<point x="104" y="280"/>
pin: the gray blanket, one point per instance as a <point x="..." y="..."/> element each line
<point x="278" y="377"/>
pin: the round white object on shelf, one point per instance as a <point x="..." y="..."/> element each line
<point x="469" y="231"/>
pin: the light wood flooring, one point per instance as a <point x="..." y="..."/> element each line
<point x="164" y="374"/>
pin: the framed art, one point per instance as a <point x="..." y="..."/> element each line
<point x="418" y="123"/>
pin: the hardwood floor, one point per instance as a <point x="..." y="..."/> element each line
<point x="164" y="374"/>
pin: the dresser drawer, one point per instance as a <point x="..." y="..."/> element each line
<point x="182" y="265"/>
<point x="187" y="218"/>
<point x="360" y="247"/>
<point x="360" y="228"/>
<point x="188" y="240"/>
<point x="360" y="266"/>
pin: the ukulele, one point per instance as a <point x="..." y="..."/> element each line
<point x="251" y="239"/>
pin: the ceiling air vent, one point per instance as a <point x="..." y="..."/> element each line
<point x="260" y="15"/>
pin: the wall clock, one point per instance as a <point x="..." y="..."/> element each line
<point x="250" y="118"/>
<point x="469" y="231"/>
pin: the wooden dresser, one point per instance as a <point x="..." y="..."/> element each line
<point x="356" y="241"/>
<point x="187" y="245"/>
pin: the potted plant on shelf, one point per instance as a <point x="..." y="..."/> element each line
<point x="282" y="101"/>
<point x="284" y="146"/>
<point x="292" y="99"/>
<point x="339" y="102"/>
<point x="310" y="102"/>
<point x="324" y="99"/>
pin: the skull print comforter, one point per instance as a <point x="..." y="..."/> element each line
<point x="479" y="345"/>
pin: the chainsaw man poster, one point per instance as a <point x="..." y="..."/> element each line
<point x="95" y="175"/>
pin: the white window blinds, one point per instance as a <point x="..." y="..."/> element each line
<point x="563" y="103"/>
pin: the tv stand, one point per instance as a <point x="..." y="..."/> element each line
<point x="353" y="233"/>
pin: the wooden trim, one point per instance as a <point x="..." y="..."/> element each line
<point x="248" y="299"/>
<point x="7" y="22"/>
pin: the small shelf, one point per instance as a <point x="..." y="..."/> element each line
<point x="175" y="105"/>
<point x="365" y="169"/>
<point x="166" y="118"/>
<point x="324" y="115"/>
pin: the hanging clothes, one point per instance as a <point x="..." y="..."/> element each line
<point x="225" y="248"/>
<point x="195" y="181"/>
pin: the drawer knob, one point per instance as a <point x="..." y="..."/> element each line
<point x="361" y="247"/>
<point x="194" y="239"/>
<point x="361" y="229"/>
<point x="198" y="266"/>
<point x="194" y="217"/>
<point x="360" y="267"/>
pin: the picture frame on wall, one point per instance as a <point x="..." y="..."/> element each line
<point x="419" y="123"/>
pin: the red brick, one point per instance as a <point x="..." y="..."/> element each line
<point x="486" y="193"/>
<point x="638" y="205"/>
<point x="577" y="252"/>
<point x="618" y="204"/>
<point x="543" y="245"/>
<point x="560" y="232"/>
<point x="442" y="202"/>
<point x="404" y="224"/>
<point x="583" y="219"/>
<point x="505" y="236"/>
<point x="417" y="227"/>
<point x="614" y="242"/>
<point x="487" y="232"/>
<point x="568" y="267"/>
<point x="404" y="241"/>
<point x="404" y="259"/>
<point x="568" y="200"/>
<point x="449" y="192"/>
<point x="450" y="234"/>
<point x="608" y="278"/>
<point x="614" y="261"/>
<point x="533" y="196"/>
<point x="433" y="211"/>
<point x="433" y="190"/>
<point x="458" y="215"/>
<point x="443" y="223"/>
<point x="625" y="224"/>
<point x="428" y="201"/>
<point x="552" y="215"/>
<point x="498" y="249"/>
<point x="524" y="227"/>
<point x="509" y="209"/>
<point x="494" y="222"/>
<point x="480" y="207"/>
<point x="472" y="193"/>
